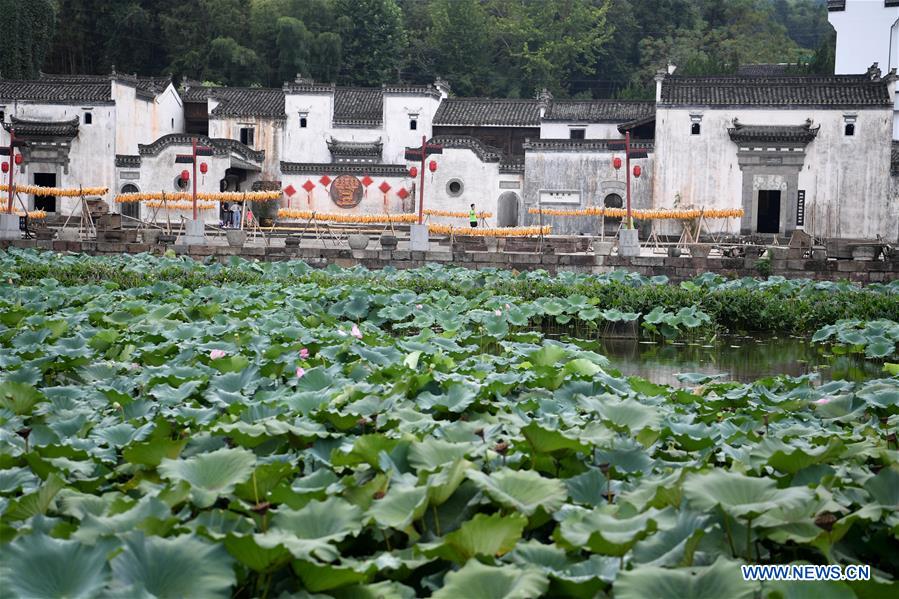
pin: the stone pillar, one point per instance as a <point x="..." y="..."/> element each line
<point x="9" y="226"/>
<point x="628" y="242"/>
<point x="194" y="233"/>
<point x="419" y="239"/>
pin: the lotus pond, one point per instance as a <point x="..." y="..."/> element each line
<point x="174" y="429"/>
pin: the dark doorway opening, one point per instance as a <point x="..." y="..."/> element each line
<point x="769" y="211"/>
<point x="45" y="203"/>
<point x="131" y="209"/>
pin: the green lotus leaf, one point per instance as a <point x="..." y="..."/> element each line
<point x="548" y="441"/>
<point x="588" y="487"/>
<point x="245" y="550"/>
<point x="741" y="496"/>
<point x="212" y="474"/>
<point x="311" y="531"/>
<point x="37" y="565"/>
<point x="318" y="577"/>
<point x="19" y="398"/>
<point x="522" y="490"/>
<point x="457" y="398"/>
<point x="430" y="454"/>
<point x="37" y="502"/>
<point x="181" y="566"/>
<point x="791" y="458"/>
<point x="884" y="487"/>
<point x="629" y="415"/>
<point x="673" y="546"/>
<point x="94" y="526"/>
<point x="492" y="535"/>
<point x="880" y="394"/>
<point x="400" y="507"/>
<point x="821" y="589"/>
<point x="721" y="579"/>
<point x="386" y="589"/>
<point x="477" y="581"/>
<point x="603" y="532"/>
<point x="443" y="483"/>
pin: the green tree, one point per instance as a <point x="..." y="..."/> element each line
<point x="326" y="57"/>
<point x="231" y="63"/>
<point x="373" y="40"/>
<point x="27" y="33"/>
<point x="460" y="45"/>
<point x="295" y="44"/>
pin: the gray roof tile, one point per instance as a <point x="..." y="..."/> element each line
<point x="788" y="91"/>
<point x="42" y="128"/>
<point x="488" y="112"/>
<point x="240" y="101"/>
<point x="358" y="106"/>
<point x="58" y="89"/>
<point x="595" y="111"/>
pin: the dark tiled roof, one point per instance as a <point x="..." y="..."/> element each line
<point x="834" y="5"/>
<point x="484" y="152"/>
<point x="240" y="101"/>
<point x="793" y="134"/>
<point x="358" y="106"/>
<point x="813" y="90"/>
<point x="28" y="128"/>
<point x="477" y="112"/>
<point x="220" y="146"/>
<point x="127" y="160"/>
<point x="344" y="168"/>
<point x="584" y="145"/>
<point x="367" y="149"/>
<point x="597" y="111"/>
<point x="62" y="90"/>
<point x="762" y="70"/>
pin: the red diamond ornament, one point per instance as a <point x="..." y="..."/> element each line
<point x="366" y="180"/>
<point x="308" y="185"/>
<point x="290" y="190"/>
<point x="384" y="187"/>
<point x="325" y="180"/>
<point x="402" y="193"/>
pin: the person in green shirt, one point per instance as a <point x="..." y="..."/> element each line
<point x="473" y="217"/>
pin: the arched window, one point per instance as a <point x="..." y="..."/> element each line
<point x="613" y="200"/>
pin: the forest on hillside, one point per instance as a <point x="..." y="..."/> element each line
<point x="501" y="48"/>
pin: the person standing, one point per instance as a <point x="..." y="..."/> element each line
<point x="225" y="216"/>
<point x="235" y="215"/>
<point x="472" y="217"/>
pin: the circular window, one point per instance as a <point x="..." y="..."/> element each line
<point x="454" y="187"/>
<point x="181" y="184"/>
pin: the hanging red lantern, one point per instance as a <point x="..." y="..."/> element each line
<point x="185" y="175"/>
<point x="432" y="166"/>
<point x="413" y="171"/>
<point x="5" y="167"/>
<point x="637" y="170"/>
<point x="616" y="162"/>
<point x="204" y="167"/>
<point x="19" y="159"/>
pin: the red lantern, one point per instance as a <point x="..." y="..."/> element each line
<point x="19" y="159"/>
<point x="5" y="167"/>
<point x="432" y="166"/>
<point x="413" y="171"/>
<point x="616" y="162"/>
<point x="204" y="167"/>
<point x="185" y="175"/>
<point x="637" y="171"/>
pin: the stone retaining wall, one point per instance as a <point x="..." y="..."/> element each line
<point x="677" y="269"/>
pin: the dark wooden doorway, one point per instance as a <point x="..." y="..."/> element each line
<point x="45" y="203"/>
<point x="131" y="209"/>
<point x="768" y="220"/>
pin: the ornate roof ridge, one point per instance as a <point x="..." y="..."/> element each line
<point x="220" y="146"/>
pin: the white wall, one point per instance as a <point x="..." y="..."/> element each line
<point x="846" y="178"/>
<point x="864" y="30"/>
<point x="397" y="135"/>
<point x="558" y="130"/>
<point x="268" y="136"/>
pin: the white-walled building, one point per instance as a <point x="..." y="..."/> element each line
<point x="75" y="127"/>
<point x="867" y="32"/>
<point x="792" y="150"/>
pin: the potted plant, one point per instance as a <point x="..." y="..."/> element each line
<point x="674" y="252"/>
<point x="358" y="241"/>
<point x="388" y="242"/>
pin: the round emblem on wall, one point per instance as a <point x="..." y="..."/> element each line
<point x="346" y="191"/>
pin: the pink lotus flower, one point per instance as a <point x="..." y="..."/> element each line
<point x="300" y="372"/>
<point x="134" y="366"/>
<point x="418" y="306"/>
<point x="498" y="312"/>
<point x="217" y="353"/>
<point x="822" y="402"/>
<point x="304" y="353"/>
<point x="356" y="332"/>
<point x="508" y="306"/>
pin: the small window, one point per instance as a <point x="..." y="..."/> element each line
<point x="413" y="124"/>
<point x="181" y="184"/>
<point x="88" y="118"/>
<point x="694" y="129"/>
<point x="850" y="129"/>
<point x="2" y="116"/>
<point x="302" y="122"/>
<point x="246" y="135"/>
<point x="577" y="133"/>
<point x="173" y="123"/>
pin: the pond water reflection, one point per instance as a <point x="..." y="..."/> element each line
<point x="744" y="359"/>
